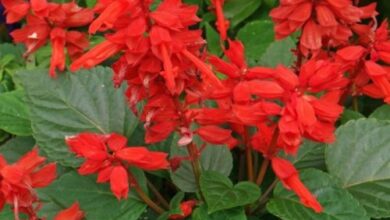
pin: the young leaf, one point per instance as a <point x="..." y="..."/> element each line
<point x="337" y="202"/>
<point x="221" y="194"/>
<point x="360" y="158"/>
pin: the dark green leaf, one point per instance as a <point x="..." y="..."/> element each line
<point x="90" y="3"/>
<point x="337" y="202"/>
<point x="14" y="115"/>
<point x="220" y="193"/>
<point x="215" y="158"/>
<point x="381" y="113"/>
<point x="213" y="40"/>
<point x="16" y="147"/>
<point x="260" y="46"/>
<point x="201" y="213"/>
<point x="95" y="199"/>
<point x="360" y="158"/>
<point x="73" y="103"/>
<point x="349" y="115"/>
<point x="238" y="10"/>
<point x="310" y="155"/>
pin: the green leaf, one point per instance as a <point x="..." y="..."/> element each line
<point x="220" y="193"/>
<point x="95" y="199"/>
<point x="90" y="3"/>
<point x="310" y="155"/>
<point x="381" y="113"/>
<point x="13" y="149"/>
<point x="260" y="46"/>
<point x="73" y="103"/>
<point x="213" y="40"/>
<point x="360" y="158"/>
<point x="215" y="158"/>
<point x="349" y="115"/>
<point x="238" y="10"/>
<point x="14" y="115"/>
<point x="201" y="213"/>
<point x="338" y="204"/>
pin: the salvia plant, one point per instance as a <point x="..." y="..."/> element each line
<point x="185" y="124"/>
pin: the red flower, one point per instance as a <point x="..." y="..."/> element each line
<point x="216" y="135"/>
<point x="15" y="10"/>
<point x="108" y="156"/>
<point x="222" y="24"/>
<point x="186" y="209"/>
<point x="18" y="180"/>
<point x="321" y="21"/>
<point x="381" y="80"/>
<point x="288" y="175"/>
<point x="71" y="213"/>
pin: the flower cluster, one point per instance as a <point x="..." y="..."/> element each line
<point x="19" y="180"/>
<point x="50" y="22"/>
<point x="110" y="158"/>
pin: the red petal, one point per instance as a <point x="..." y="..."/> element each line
<point x="119" y="182"/>
<point x="30" y="161"/>
<point x="325" y="16"/>
<point x="214" y="134"/>
<point x="311" y="36"/>
<point x="305" y="112"/>
<point x="351" y="53"/>
<point x="235" y="53"/>
<point x="374" y="69"/>
<point x="44" y="176"/>
<point x="287" y="173"/>
<point x="116" y="142"/>
<point x="71" y="213"/>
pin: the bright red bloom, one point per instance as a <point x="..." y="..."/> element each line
<point x="72" y="213"/>
<point x="15" y="10"/>
<point x="109" y="156"/>
<point x="216" y="135"/>
<point x="186" y="209"/>
<point x="289" y="177"/>
<point x="51" y="22"/>
<point x="18" y="180"/>
<point x="323" y="21"/>
<point x="222" y="23"/>
<point x="381" y="81"/>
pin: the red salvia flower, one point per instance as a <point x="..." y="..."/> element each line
<point x="323" y="20"/>
<point x="288" y="175"/>
<point x="15" y="10"/>
<point x="18" y="181"/>
<point x="51" y="22"/>
<point x="109" y="156"/>
<point x="186" y="209"/>
<point x="72" y="213"/>
<point x="222" y="23"/>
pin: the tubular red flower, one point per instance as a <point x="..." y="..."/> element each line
<point x="57" y="37"/>
<point x="208" y="74"/>
<point x="72" y="213"/>
<point x="97" y="55"/>
<point x="222" y="24"/>
<point x="288" y="175"/>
